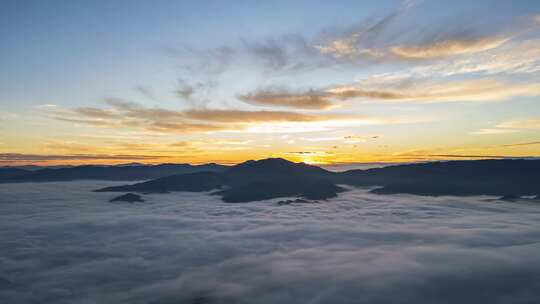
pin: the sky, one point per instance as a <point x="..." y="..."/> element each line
<point x="323" y="82"/>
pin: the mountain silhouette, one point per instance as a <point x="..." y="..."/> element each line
<point x="475" y="177"/>
<point x="248" y="181"/>
<point x="276" y="177"/>
<point x="190" y="182"/>
<point x="127" y="172"/>
<point x="12" y="173"/>
<point x="128" y="197"/>
<point x="275" y="167"/>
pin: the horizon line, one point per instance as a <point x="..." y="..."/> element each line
<point x="100" y="161"/>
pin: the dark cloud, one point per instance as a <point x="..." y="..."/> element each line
<point x="185" y="91"/>
<point x="288" y="52"/>
<point x="147" y="92"/>
<point x="196" y="93"/>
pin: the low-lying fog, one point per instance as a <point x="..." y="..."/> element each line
<point x="61" y="243"/>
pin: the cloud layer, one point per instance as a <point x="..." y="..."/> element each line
<point x="123" y="114"/>
<point x="388" y="89"/>
<point x="72" y="245"/>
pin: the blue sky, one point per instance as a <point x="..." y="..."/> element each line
<point x="61" y="56"/>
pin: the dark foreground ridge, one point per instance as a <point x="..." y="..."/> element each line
<point x="275" y="177"/>
<point x="249" y="181"/>
<point x="462" y="178"/>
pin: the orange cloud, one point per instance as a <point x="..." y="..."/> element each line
<point x="424" y="91"/>
<point x="448" y="48"/>
<point x="121" y="114"/>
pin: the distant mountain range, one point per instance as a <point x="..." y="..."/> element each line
<point x="128" y="172"/>
<point x="471" y="177"/>
<point x="275" y="177"/>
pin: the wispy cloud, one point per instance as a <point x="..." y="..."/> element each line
<point x="7" y="116"/>
<point x="430" y="52"/>
<point x="511" y="126"/>
<point x="407" y="90"/>
<point x="283" y="98"/>
<point x="532" y="123"/>
<point x="532" y="143"/>
<point x="520" y="57"/>
<point x="123" y="114"/>
<point x="492" y="131"/>
<point x="422" y="90"/>
<point x="239" y="116"/>
<point x="441" y="48"/>
<point x="448" y="48"/>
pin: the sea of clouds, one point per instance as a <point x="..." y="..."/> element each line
<point x="62" y="243"/>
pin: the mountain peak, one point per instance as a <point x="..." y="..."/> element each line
<point x="274" y="166"/>
<point x="271" y="160"/>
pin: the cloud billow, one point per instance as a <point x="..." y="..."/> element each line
<point x="192" y="248"/>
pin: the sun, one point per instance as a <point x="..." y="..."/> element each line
<point x="312" y="159"/>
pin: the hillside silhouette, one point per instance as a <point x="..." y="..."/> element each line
<point x="276" y="177"/>
<point x="125" y="172"/>
<point x="248" y="181"/>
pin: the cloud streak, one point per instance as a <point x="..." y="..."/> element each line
<point x="402" y="90"/>
<point x="527" y="124"/>
<point x="311" y="100"/>
<point x="511" y="126"/>
<point x="123" y="114"/>
<point x="448" y="48"/>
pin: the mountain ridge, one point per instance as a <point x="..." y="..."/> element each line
<point x="276" y="177"/>
<point x="270" y="178"/>
<point x="130" y="172"/>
